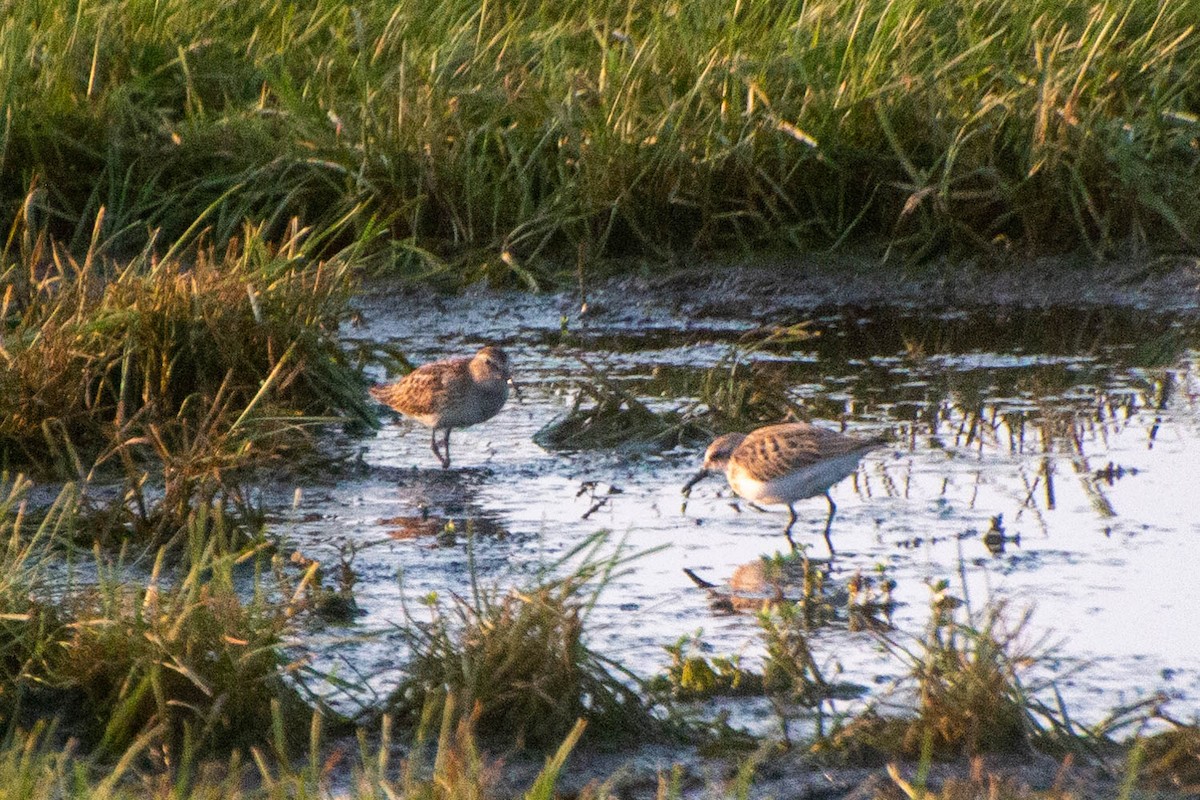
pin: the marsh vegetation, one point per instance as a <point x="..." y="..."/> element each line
<point x="470" y="141"/>
<point x="192" y="196"/>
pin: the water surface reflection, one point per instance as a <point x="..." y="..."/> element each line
<point x="1078" y="430"/>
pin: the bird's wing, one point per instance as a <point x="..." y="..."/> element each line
<point x="422" y="391"/>
<point x="778" y="450"/>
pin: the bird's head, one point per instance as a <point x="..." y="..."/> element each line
<point x="716" y="457"/>
<point x="490" y="365"/>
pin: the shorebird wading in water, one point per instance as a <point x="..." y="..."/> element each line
<point x="785" y="463"/>
<point x="449" y="394"/>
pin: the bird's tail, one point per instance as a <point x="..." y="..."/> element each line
<point x="381" y="392"/>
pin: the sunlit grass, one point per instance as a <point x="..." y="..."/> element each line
<point x="102" y="357"/>
<point x="520" y="659"/>
<point x="487" y="136"/>
<point x="172" y="371"/>
<point x="969" y="692"/>
<point x="179" y="657"/>
<point x="36" y="765"/>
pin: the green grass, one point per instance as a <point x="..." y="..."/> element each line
<point x="154" y="353"/>
<point x="519" y="658"/>
<point x="179" y="657"/>
<point x="970" y="694"/>
<point x="485" y="136"/>
<point x="693" y="675"/>
<point x="36" y="765"/>
<point x="172" y="372"/>
<point x="170" y="679"/>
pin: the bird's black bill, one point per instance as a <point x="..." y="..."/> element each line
<point x="699" y="476"/>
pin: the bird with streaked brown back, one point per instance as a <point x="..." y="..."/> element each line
<point x="781" y="464"/>
<point x="454" y="393"/>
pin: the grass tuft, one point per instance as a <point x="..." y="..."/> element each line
<point x="180" y="660"/>
<point x="171" y="373"/>
<point x="226" y="351"/>
<point x="692" y="675"/>
<point x="969" y="696"/>
<point x="519" y="660"/>
<point x="191" y="660"/>
<point x="617" y="420"/>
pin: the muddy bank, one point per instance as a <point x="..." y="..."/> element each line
<point x="793" y="775"/>
<point x="764" y="288"/>
<point x="766" y="284"/>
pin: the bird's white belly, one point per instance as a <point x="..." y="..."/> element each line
<point x="802" y="483"/>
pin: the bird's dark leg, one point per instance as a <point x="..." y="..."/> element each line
<point x="829" y="522"/>
<point x="446" y="446"/>
<point x="436" y="451"/>
<point x="788" y="530"/>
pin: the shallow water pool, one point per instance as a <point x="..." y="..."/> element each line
<point x="1079" y="428"/>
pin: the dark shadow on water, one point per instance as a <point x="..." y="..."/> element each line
<point x="446" y="531"/>
<point x="433" y="476"/>
<point x="440" y="504"/>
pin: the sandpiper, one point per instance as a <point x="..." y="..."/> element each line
<point x="785" y="463"/>
<point x="451" y="394"/>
